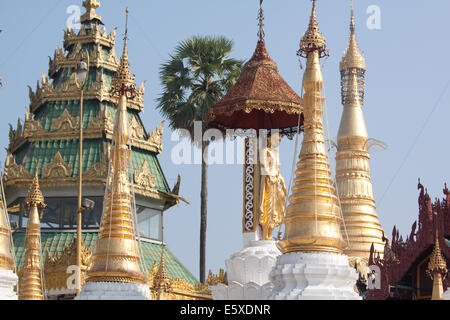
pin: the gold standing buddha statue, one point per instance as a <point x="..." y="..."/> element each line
<point x="273" y="191"/>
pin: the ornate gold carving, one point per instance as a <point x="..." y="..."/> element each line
<point x="14" y="171"/>
<point x="94" y="36"/>
<point x="32" y="127"/>
<point x="55" y="268"/>
<point x="6" y="258"/>
<point x="144" y="178"/>
<point x="58" y="168"/>
<point x="66" y="122"/>
<point x="155" y="138"/>
<point x="136" y="129"/>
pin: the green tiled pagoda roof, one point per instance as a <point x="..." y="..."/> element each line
<point x="45" y="151"/>
<point x="55" y="242"/>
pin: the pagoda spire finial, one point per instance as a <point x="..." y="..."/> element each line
<point x="90" y="14"/>
<point x="313" y="39"/>
<point x="30" y="283"/>
<point x="437" y="269"/>
<point x="261" y="33"/>
<point x="123" y="77"/>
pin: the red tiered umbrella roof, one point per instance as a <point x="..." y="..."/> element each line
<point x="260" y="99"/>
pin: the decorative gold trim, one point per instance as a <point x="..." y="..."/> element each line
<point x="66" y="122"/>
<point x="58" y="168"/>
<point x="144" y="178"/>
<point x="95" y="36"/>
<point x="15" y="171"/>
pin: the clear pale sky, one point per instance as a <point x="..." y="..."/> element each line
<point x="407" y="101"/>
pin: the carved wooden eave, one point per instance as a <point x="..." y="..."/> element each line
<point x="58" y="168"/>
<point x="96" y="59"/>
<point x="95" y="36"/>
<point x="69" y="90"/>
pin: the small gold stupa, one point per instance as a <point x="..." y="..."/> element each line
<point x="437" y="270"/>
<point x="116" y="255"/>
<point x="30" y="283"/>
<point x="313" y="219"/>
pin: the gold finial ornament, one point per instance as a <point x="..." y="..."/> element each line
<point x="91" y="14"/>
<point x="353" y="181"/>
<point x="437" y="270"/>
<point x="313" y="39"/>
<point x="161" y="281"/>
<point x="123" y="77"/>
<point x="6" y="258"/>
<point x="116" y="255"/>
<point x="313" y="218"/>
<point x="353" y="57"/>
<point x="30" y="280"/>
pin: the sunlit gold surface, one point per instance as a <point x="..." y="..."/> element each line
<point x="116" y="255"/>
<point x="30" y="283"/>
<point x="313" y="217"/>
<point x="6" y="258"/>
<point x="353" y="179"/>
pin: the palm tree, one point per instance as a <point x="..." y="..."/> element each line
<point x="196" y="76"/>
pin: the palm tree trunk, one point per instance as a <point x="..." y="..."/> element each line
<point x="203" y="211"/>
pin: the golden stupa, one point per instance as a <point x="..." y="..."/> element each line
<point x="353" y="182"/>
<point x="116" y="255"/>
<point x="313" y="219"/>
<point x="6" y="259"/>
<point x="30" y="283"/>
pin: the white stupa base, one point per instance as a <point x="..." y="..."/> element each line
<point x="8" y="280"/>
<point x="446" y="295"/>
<point x="248" y="272"/>
<point x="313" y="276"/>
<point x="114" y="291"/>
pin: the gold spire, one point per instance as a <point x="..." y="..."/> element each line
<point x="116" y="255"/>
<point x="313" y="39"/>
<point x="437" y="270"/>
<point x="353" y="179"/>
<point x="6" y="259"/>
<point x="353" y="57"/>
<point x="313" y="217"/>
<point x="123" y="77"/>
<point x="161" y="282"/>
<point x="90" y="13"/>
<point x="30" y="280"/>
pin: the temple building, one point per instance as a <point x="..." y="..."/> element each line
<point x="415" y="267"/>
<point x="46" y="145"/>
<point x="362" y="227"/>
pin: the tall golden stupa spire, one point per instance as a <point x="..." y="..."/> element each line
<point x="116" y="255"/>
<point x="353" y="181"/>
<point x="437" y="270"/>
<point x="313" y="218"/>
<point x="6" y="258"/>
<point x="30" y="283"/>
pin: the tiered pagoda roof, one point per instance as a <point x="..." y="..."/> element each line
<point x="51" y="128"/>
